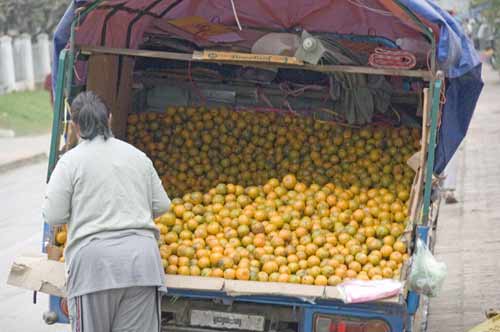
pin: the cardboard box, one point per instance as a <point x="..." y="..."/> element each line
<point x="39" y="274"/>
<point x="47" y="276"/>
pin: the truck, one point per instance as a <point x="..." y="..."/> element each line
<point x="146" y="57"/>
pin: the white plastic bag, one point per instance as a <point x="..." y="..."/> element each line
<point x="359" y="291"/>
<point x="427" y="274"/>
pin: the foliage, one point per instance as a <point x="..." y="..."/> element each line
<point x="26" y="113"/>
<point x="492" y="13"/>
<point x="31" y="16"/>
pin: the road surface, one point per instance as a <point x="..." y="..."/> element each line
<point x="21" y="193"/>
<point x="468" y="237"/>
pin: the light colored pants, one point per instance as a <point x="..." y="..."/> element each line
<point x="133" y="309"/>
<point x="450" y="173"/>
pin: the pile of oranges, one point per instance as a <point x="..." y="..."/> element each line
<point x="60" y="238"/>
<point x="195" y="149"/>
<point x="270" y="197"/>
<point x="286" y="231"/>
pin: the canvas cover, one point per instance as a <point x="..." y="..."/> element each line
<point x="123" y="24"/>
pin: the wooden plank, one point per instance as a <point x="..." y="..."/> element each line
<point x="102" y="77"/>
<point x="258" y="288"/>
<point x="194" y="283"/>
<point x="207" y="55"/>
<point x="136" y="53"/>
<point x="418" y="192"/>
<point x="424" y="74"/>
<point x="123" y="103"/>
<point x="112" y="80"/>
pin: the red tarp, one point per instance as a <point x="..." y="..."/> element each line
<point x="382" y="18"/>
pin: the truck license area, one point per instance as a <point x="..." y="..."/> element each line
<point x="226" y="320"/>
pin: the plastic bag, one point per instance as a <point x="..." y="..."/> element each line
<point x="359" y="291"/>
<point x="427" y="274"/>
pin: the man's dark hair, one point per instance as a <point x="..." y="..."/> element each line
<point x="90" y="113"/>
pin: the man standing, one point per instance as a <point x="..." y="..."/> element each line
<point x="107" y="192"/>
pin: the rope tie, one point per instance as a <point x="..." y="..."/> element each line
<point x="392" y="59"/>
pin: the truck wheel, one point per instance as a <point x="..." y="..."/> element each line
<point x="50" y="317"/>
<point x="494" y="62"/>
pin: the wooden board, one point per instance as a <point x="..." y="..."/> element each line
<point x="48" y="276"/>
<point x="111" y="77"/>
<point x="417" y="189"/>
<point x="194" y="283"/>
<point x="124" y="98"/>
<point x="238" y="287"/>
<point x="102" y="77"/>
<point x="245" y="57"/>
<point x="424" y="74"/>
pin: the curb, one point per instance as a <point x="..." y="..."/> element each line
<point x="7" y="133"/>
<point x="4" y="168"/>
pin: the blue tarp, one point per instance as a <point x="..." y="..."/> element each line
<point x="462" y="66"/>
<point x="456" y="57"/>
<point x="61" y="37"/>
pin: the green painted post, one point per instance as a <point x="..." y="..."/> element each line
<point x="57" y="113"/>
<point x="436" y="94"/>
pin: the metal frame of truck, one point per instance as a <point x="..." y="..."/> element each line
<point x="401" y="314"/>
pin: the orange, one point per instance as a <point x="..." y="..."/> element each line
<point x="61" y="237"/>
<point x="217" y="273"/>
<point x="204" y="262"/>
<point x="274" y="277"/>
<point x="400" y="247"/>
<point x="179" y="210"/>
<point x="195" y="271"/>
<point x="307" y="280"/>
<point x="243" y="274"/>
<point x="389" y="240"/>
<point x="351" y="274"/>
<point x="270" y="267"/>
<point x="215" y="258"/>
<point x="259" y="241"/>
<point x="375" y="271"/>
<point x="171" y="237"/>
<point x="397" y="257"/>
<point x="313" y="261"/>
<point x="386" y="250"/>
<point x="184" y="270"/>
<point x="226" y="263"/>
<point x="172" y="269"/>
<point x="374" y="259"/>
<point x="387" y="272"/>
<point x="293" y="267"/>
<point x="229" y="274"/>
<point x="262" y="276"/>
<point x="294" y="279"/>
<point x="358" y="215"/>
<point x="183" y="261"/>
<point x="280" y="260"/>
<point x="321" y="280"/>
<point x="327" y="270"/>
<point x="213" y="228"/>
<point x="284" y="277"/>
<point x="289" y="181"/>
<point x="334" y="280"/>
<point x="340" y="272"/>
<point x="355" y="266"/>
